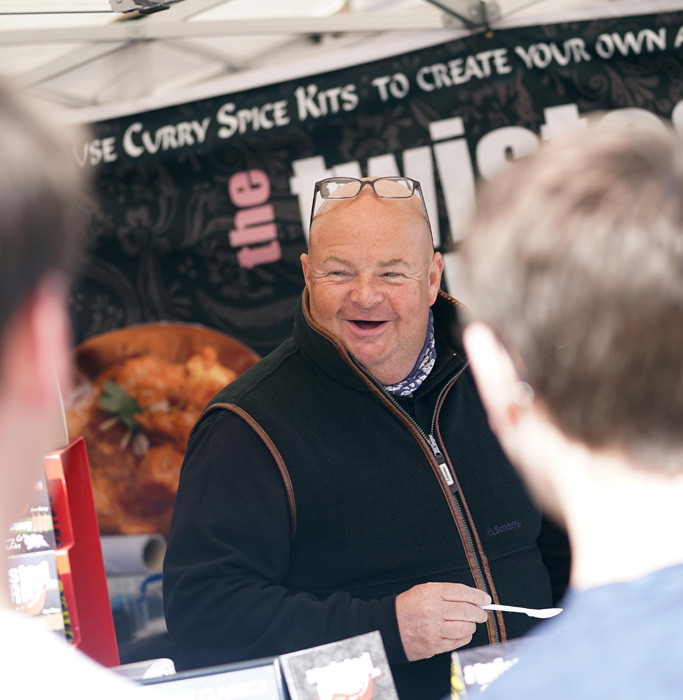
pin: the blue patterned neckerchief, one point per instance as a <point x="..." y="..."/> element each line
<point x="423" y="366"/>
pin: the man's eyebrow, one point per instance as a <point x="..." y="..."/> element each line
<point x="393" y="263"/>
<point x="337" y="261"/>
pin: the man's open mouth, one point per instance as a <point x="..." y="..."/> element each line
<point x="367" y="325"/>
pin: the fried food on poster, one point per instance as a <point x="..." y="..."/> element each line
<point x="136" y="416"/>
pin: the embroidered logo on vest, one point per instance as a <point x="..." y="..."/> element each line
<point x="496" y="530"/>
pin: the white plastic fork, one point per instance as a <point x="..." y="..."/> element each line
<point x="546" y="612"/>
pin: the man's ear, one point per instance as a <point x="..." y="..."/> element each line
<point x="495" y="374"/>
<point x="435" y="272"/>
<point x="306" y="270"/>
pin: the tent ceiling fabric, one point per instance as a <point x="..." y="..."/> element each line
<point x="80" y="53"/>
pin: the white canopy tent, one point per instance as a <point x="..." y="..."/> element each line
<point x="94" y="61"/>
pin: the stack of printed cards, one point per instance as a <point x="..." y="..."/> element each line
<point x="352" y="669"/>
<point x="473" y="670"/>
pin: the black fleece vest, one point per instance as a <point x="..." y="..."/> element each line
<point x="371" y="512"/>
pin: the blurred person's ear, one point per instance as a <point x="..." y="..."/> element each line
<point x="517" y="418"/>
<point x="36" y="347"/>
<point x="496" y="377"/>
<point x="34" y="357"/>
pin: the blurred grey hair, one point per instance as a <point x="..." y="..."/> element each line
<point x="574" y="257"/>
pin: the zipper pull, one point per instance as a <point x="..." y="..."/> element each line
<point x="441" y="460"/>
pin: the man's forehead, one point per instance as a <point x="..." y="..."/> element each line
<point x="401" y="224"/>
<point x="383" y="263"/>
<point x="369" y="205"/>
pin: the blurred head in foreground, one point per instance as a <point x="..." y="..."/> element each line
<point x="574" y="266"/>
<point x="40" y="185"/>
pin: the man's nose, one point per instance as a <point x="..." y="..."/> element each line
<point x="366" y="292"/>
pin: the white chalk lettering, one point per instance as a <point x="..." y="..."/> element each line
<point x="97" y="151"/>
<point x="136" y="140"/>
<point x="240" y="121"/>
<point x="396" y="85"/>
<point x="501" y="146"/>
<point x="679" y="38"/>
<point x="316" y="103"/>
<point x="542" y="54"/>
<point x="607" y="45"/>
<point x="461" y="70"/>
<point x="450" y="157"/>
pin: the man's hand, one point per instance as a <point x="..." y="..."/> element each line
<point x="438" y="617"/>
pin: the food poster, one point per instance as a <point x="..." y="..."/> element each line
<point x="138" y="393"/>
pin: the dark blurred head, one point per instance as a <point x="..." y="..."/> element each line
<point x="575" y="260"/>
<point x="40" y="186"/>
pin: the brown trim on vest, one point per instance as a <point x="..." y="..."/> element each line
<point x="451" y="300"/>
<point x="254" y="425"/>
<point x="460" y="525"/>
<point x="475" y="534"/>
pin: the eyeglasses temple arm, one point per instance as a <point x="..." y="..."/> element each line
<point x="315" y="194"/>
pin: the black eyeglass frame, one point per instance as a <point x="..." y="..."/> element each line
<point x="416" y="187"/>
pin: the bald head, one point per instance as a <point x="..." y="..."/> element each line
<point x="372" y="210"/>
<point x="372" y="274"/>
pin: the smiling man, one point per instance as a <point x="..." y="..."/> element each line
<point x="374" y="292"/>
<point x="349" y="482"/>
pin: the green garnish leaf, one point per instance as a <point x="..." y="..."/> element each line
<point x="117" y="402"/>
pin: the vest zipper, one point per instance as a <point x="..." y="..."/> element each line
<point x="456" y="495"/>
<point x="443" y="467"/>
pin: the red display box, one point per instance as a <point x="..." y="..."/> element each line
<point x="79" y="553"/>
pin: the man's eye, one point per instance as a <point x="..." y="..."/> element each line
<point x="337" y="273"/>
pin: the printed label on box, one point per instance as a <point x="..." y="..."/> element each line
<point x="352" y="669"/>
<point x="33" y="530"/>
<point x="473" y="670"/>
<point x="34" y="586"/>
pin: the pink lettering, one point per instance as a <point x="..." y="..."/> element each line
<point x="253" y="226"/>
<point x="249" y="188"/>
<point x="250" y="257"/>
<point x="255" y="220"/>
